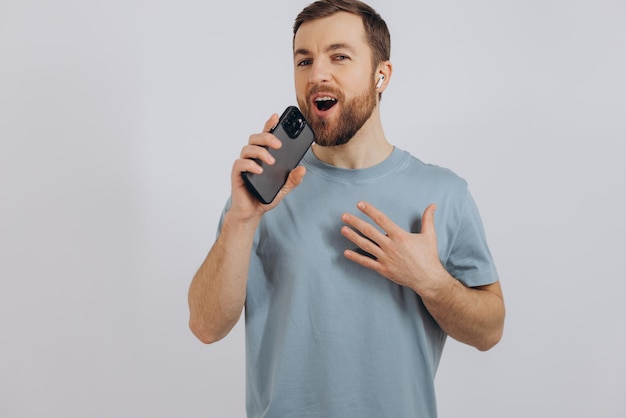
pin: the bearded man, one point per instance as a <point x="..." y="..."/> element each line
<point x="350" y="282"/>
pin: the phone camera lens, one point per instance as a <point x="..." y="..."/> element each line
<point x="293" y="124"/>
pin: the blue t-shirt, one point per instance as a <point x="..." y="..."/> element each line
<point x="326" y="337"/>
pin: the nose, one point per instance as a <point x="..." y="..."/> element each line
<point x="320" y="72"/>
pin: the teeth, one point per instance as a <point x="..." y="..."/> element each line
<point x="324" y="103"/>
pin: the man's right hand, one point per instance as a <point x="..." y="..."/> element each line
<point x="218" y="290"/>
<point x="244" y="205"/>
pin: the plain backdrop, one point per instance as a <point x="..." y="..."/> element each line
<point x="119" y="122"/>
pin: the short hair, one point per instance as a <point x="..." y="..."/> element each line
<point x="376" y="31"/>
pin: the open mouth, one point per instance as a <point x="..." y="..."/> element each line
<point x="324" y="103"/>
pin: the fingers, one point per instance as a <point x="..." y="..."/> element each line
<point x="369" y="247"/>
<point x="389" y="228"/>
<point x="367" y="236"/>
<point x="378" y="217"/>
<point x="258" y="148"/>
<point x="387" y="225"/>
<point x="254" y="155"/>
<point x="428" y="219"/>
<point x="271" y="122"/>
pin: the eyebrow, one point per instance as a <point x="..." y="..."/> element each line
<point x="329" y="48"/>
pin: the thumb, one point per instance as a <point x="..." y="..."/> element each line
<point x="428" y="219"/>
<point x="295" y="178"/>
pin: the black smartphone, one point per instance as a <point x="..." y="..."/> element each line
<point x="296" y="136"/>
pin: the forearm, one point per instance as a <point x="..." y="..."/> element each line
<point x="474" y="316"/>
<point x="218" y="291"/>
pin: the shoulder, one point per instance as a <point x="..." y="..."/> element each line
<point x="433" y="174"/>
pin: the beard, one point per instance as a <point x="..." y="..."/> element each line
<point x="345" y="124"/>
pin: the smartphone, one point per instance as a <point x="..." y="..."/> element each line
<point x="296" y="136"/>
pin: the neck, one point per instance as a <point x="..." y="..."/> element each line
<point x="367" y="148"/>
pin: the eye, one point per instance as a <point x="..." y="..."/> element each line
<point x="341" y="57"/>
<point x="304" y="62"/>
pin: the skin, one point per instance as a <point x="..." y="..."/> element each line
<point x="331" y="55"/>
<point x="349" y="69"/>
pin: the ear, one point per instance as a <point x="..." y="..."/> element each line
<point x="384" y="69"/>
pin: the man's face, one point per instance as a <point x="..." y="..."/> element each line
<point x="334" y="77"/>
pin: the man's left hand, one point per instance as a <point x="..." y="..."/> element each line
<point x="408" y="259"/>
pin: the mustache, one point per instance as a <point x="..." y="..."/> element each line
<point x="324" y="89"/>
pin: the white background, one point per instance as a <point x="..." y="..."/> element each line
<point x="119" y="121"/>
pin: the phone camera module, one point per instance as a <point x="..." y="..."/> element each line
<point x="293" y="125"/>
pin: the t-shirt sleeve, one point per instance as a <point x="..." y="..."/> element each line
<point x="470" y="260"/>
<point x="221" y="221"/>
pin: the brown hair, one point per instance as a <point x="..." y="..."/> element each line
<point x="376" y="30"/>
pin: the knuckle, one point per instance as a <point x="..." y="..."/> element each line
<point x="370" y="230"/>
<point x="379" y="218"/>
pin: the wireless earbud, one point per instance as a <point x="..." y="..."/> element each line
<point x="380" y="81"/>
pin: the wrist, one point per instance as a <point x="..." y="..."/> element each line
<point x="435" y="284"/>
<point x="241" y="222"/>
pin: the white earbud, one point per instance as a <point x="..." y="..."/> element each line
<point x="380" y="81"/>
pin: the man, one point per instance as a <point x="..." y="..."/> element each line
<point x="350" y="281"/>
